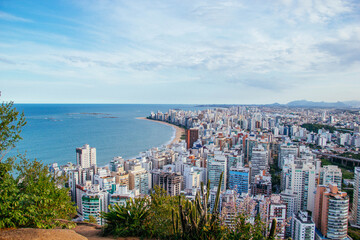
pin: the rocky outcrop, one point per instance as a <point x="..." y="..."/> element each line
<point x="40" y="234"/>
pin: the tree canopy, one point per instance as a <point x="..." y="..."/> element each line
<point x="29" y="195"/>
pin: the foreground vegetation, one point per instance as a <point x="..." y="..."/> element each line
<point x="29" y="195"/>
<point x="354" y="233"/>
<point x="161" y="216"/>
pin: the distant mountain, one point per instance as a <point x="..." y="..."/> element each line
<point x="305" y="103"/>
<point x="354" y="103"/>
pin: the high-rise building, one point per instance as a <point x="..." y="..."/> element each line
<point x="300" y="180"/>
<point x="284" y="152"/>
<point x="94" y="202"/>
<point x="356" y="199"/>
<point x="139" y="179"/>
<point x="258" y="161"/>
<point x="290" y="199"/>
<point x="239" y="179"/>
<point x="121" y="196"/>
<point x="86" y="156"/>
<point x="261" y="185"/>
<point x="330" y="174"/>
<point x="277" y="210"/>
<point x="171" y="182"/>
<point x="192" y="135"/>
<point x="331" y="212"/>
<point x="81" y="189"/>
<point x="303" y="227"/>
<point x="216" y="164"/>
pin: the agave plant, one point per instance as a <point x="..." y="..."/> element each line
<point x="196" y="220"/>
<point x="127" y="220"/>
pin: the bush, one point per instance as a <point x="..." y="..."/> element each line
<point x="29" y="195"/>
<point x="161" y="207"/>
<point x="129" y="220"/>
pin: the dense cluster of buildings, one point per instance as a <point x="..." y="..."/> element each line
<point x="250" y="146"/>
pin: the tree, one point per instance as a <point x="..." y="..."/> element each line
<point x="29" y="195"/>
<point x="11" y="123"/>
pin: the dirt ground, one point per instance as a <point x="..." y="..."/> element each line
<point x="81" y="232"/>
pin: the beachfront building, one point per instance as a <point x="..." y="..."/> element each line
<point x="86" y="156"/>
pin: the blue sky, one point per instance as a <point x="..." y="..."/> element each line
<point x="240" y="52"/>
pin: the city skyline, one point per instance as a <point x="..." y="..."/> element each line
<point x="227" y="52"/>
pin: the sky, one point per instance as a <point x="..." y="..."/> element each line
<point x="186" y="51"/>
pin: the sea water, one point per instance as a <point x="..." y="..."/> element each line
<point x="54" y="131"/>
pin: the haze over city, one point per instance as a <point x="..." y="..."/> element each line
<point x="240" y="52"/>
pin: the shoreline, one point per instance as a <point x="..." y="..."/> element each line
<point x="178" y="130"/>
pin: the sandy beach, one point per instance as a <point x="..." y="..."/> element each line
<point x="179" y="131"/>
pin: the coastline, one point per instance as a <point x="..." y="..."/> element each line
<point x="178" y="130"/>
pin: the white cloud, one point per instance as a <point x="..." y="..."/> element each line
<point x="12" y="18"/>
<point x="253" y="45"/>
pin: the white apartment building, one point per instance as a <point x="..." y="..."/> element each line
<point x="301" y="180"/>
<point x="303" y="227"/>
<point x="356" y="200"/>
<point x="86" y="156"/>
<point x="330" y="174"/>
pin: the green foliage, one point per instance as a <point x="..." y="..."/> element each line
<point x="129" y="220"/>
<point x="31" y="197"/>
<point x="173" y="217"/>
<point x="244" y="230"/>
<point x="196" y="220"/>
<point x="354" y="233"/>
<point x="315" y="127"/>
<point x="92" y="219"/>
<point x="272" y="230"/>
<point x="275" y="172"/>
<point x="351" y="155"/>
<point x="346" y="171"/>
<point x="161" y="213"/>
<point x="11" y="123"/>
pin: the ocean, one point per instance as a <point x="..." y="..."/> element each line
<point x="54" y="131"/>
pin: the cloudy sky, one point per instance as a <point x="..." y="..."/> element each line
<point x="182" y="51"/>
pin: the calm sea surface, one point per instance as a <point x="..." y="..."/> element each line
<point x="53" y="131"/>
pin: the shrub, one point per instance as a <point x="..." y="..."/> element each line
<point x="29" y="195"/>
<point x="129" y="220"/>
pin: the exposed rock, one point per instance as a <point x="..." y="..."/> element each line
<point x="40" y="234"/>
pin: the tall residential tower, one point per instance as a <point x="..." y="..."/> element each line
<point x="86" y="156"/>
